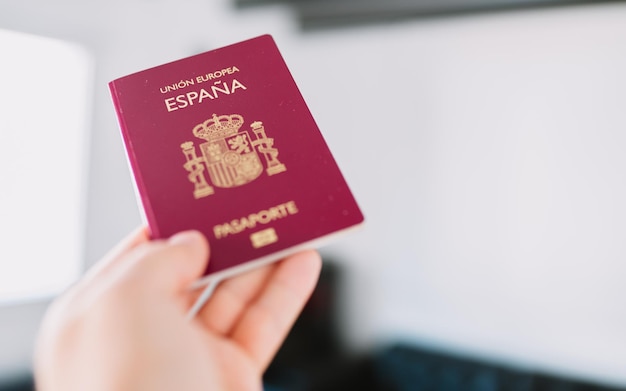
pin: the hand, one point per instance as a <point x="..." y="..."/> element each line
<point x="123" y="326"/>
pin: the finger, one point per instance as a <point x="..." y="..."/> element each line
<point x="198" y="250"/>
<point x="267" y="320"/>
<point x="100" y="274"/>
<point x="113" y="258"/>
<point x="168" y="265"/>
<point x="231" y="297"/>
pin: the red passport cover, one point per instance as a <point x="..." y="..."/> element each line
<point x="224" y="143"/>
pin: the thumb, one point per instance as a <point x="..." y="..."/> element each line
<point x="173" y="264"/>
<point x="196" y="253"/>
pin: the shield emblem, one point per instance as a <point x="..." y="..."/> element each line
<point x="232" y="160"/>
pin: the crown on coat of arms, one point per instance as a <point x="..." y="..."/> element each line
<point x="218" y="127"/>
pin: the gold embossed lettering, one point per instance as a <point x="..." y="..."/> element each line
<point x="262" y="217"/>
<point x="170" y="104"/>
<point x="237" y="85"/>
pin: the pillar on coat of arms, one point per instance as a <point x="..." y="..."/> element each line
<point x="265" y="146"/>
<point x="195" y="168"/>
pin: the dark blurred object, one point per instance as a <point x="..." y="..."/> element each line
<point x="325" y="13"/>
<point x="406" y="368"/>
<point x="23" y="383"/>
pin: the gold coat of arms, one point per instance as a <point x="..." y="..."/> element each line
<point x="230" y="156"/>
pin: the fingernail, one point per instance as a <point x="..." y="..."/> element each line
<point x="187" y="237"/>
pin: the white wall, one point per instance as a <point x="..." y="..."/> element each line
<point x="486" y="152"/>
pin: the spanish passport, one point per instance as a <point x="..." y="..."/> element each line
<point x="224" y="143"/>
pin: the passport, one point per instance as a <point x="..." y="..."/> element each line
<point x="224" y="143"/>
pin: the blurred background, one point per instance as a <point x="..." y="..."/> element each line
<point x="484" y="141"/>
